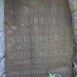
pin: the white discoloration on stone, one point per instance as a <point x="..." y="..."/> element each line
<point x="14" y="27"/>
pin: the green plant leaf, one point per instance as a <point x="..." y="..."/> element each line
<point x="53" y="75"/>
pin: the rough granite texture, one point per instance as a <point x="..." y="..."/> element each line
<point x="73" y="7"/>
<point x="2" y="45"/>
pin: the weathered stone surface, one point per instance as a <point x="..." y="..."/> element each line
<point x="38" y="38"/>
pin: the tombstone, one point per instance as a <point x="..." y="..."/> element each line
<point x="38" y="37"/>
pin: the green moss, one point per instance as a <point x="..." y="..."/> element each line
<point x="34" y="2"/>
<point x="74" y="6"/>
<point x="76" y="26"/>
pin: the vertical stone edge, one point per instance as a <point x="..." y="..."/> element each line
<point x="2" y="39"/>
<point x="73" y="8"/>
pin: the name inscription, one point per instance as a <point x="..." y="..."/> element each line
<point x="38" y="37"/>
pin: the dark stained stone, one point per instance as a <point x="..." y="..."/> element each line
<point x="38" y="38"/>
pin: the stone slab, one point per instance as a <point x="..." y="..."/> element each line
<point x="38" y="37"/>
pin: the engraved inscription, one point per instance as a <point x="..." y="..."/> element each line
<point x="38" y="37"/>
